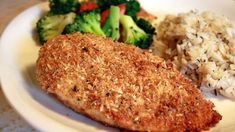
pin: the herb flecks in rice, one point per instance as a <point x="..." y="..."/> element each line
<point x="202" y="45"/>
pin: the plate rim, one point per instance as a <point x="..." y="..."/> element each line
<point x="4" y="85"/>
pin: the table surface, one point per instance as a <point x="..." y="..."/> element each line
<point x="9" y="119"/>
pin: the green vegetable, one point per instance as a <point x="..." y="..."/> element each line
<point x="132" y="6"/>
<point x="51" y="26"/>
<point x="132" y="34"/>
<point x="63" y="6"/>
<point x="111" y="25"/>
<point x="88" y="21"/>
<point x="145" y="25"/>
<point x="105" y="4"/>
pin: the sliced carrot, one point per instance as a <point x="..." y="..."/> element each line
<point x="144" y="14"/>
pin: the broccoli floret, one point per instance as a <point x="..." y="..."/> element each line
<point x="111" y="25"/>
<point x="51" y="26"/>
<point x="105" y="4"/>
<point x="132" y="6"/>
<point x="132" y="34"/>
<point x="145" y="25"/>
<point x="63" y="6"/>
<point x="88" y="21"/>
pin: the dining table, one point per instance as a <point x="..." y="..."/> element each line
<point x="10" y="120"/>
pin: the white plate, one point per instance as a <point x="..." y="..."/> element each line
<point x="19" y="51"/>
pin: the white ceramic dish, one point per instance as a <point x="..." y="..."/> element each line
<point x="19" y="51"/>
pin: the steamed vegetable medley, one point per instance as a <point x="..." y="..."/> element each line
<point x="116" y="19"/>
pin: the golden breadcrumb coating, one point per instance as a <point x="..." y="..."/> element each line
<point x="121" y="85"/>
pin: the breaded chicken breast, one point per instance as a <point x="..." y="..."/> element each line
<point x="121" y="85"/>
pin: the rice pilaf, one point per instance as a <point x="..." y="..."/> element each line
<point x="202" y="45"/>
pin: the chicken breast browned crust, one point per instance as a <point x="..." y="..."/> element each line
<point x="121" y="85"/>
